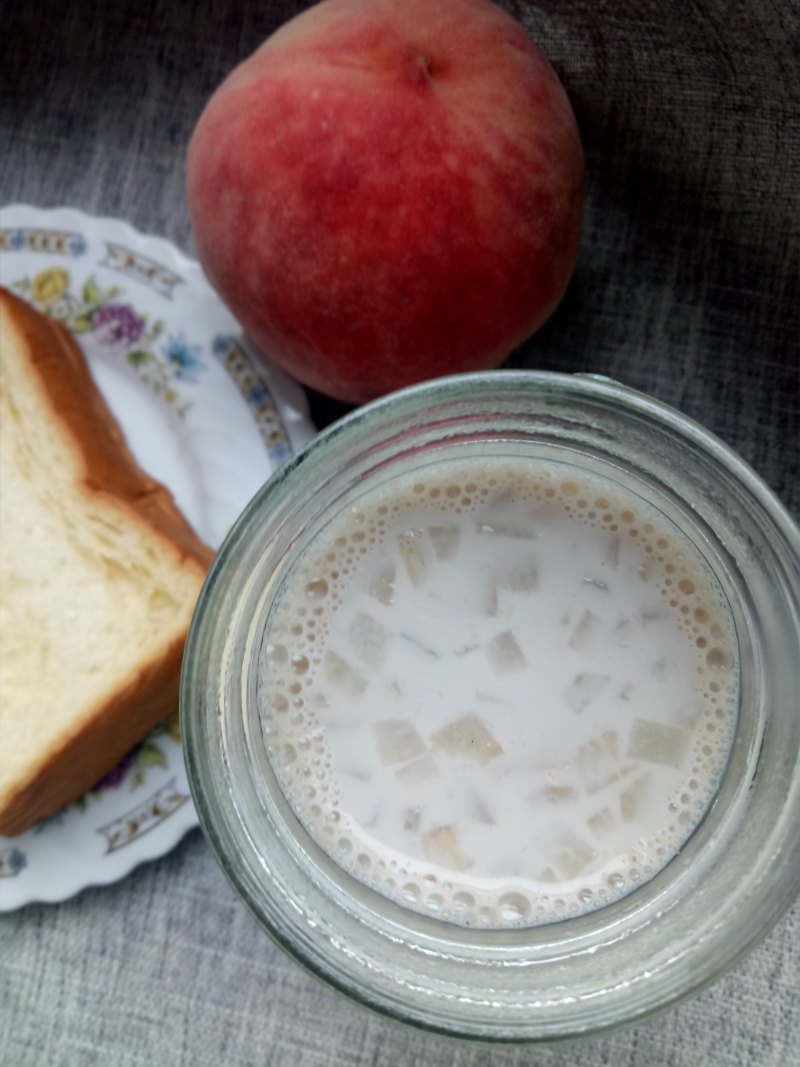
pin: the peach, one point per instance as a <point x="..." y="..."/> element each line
<point x="388" y="191"/>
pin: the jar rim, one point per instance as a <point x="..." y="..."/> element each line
<point x="313" y="922"/>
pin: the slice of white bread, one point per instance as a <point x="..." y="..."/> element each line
<point x="99" y="576"/>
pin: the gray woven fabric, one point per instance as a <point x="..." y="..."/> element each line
<point x="688" y="287"/>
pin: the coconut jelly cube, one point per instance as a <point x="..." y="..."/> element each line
<point x="584" y="688"/>
<point x="633" y="798"/>
<point x="368" y="639"/>
<point x="444" y="541"/>
<point x="560" y="794"/>
<point x="518" y="576"/>
<point x="479" y="810"/>
<point x="585" y="632"/>
<point x="397" y="741"/>
<point x="599" y="756"/>
<point x="344" y="676"/>
<point x="505" y="654"/>
<point x="442" y="846"/>
<point x="656" y="742"/>
<point x="601" y="823"/>
<point x="467" y="738"/>
<point x="411" y="819"/>
<point x="382" y="585"/>
<point x="418" y="770"/>
<point x="412" y="552"/>
<point x="572" y="857"/>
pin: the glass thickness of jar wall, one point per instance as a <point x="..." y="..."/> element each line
<point x="713" y="901"/>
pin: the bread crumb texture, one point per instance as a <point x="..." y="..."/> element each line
<point x="99" y="576"/>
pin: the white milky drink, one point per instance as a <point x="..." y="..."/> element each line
<point x="501" y="693"/>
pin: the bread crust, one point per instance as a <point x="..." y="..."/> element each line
<point x="83" y="758"/>
<point x="65" y="382"/>
<point x="106" y="733"/>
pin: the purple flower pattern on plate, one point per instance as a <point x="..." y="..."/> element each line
<point x="115" y="323"/>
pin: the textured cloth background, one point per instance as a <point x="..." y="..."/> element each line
<point x="688" y="287"/>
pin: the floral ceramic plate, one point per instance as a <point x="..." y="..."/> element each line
<point x="200" y="416"/>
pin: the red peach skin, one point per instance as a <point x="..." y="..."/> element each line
<point x="389" y="191"/>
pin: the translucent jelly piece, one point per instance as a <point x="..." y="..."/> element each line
<point x="572" y="857"/>
<point x="585" y="632"/>
<point x="411" y="819"/>
<point x="397" y="741"/>
<point x="478" y="810"/>
<point x="505" y="654"/>
<point x="519" y="577"/>
<point x="583" y="690"/>
<point x="601" y="823"/>
<point x="656" y="742"/>
<point x="418" y="770"/>
<point x="608" y="779"/>
<point x="442" y="846"/>
<point x="612" y="553"/>
<point x="340" y="673"/>
<point x="368" y="640"/>
<point x="624" y="633"/>
<point x="559" y="794"/>
<point x="600" y="756"/>
<point x="412" y="552"/>
<point x="631" y="799"/>
<point x="444" y="540"/>
<point x="382" y="585"/>
<point x="644" y="570"/>
<point x="493" y="601"/>
<point x="467" y="738"/>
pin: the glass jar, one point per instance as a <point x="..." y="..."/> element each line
<point x="733" y="878"/>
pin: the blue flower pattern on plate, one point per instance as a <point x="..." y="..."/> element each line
<point x="184" y="357"/>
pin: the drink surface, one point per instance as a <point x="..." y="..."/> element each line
<point x="501" y="693"/>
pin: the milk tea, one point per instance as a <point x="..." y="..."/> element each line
<point x="501" y="692"/>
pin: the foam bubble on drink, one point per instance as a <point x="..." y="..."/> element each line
<point x="500" y="693"/>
